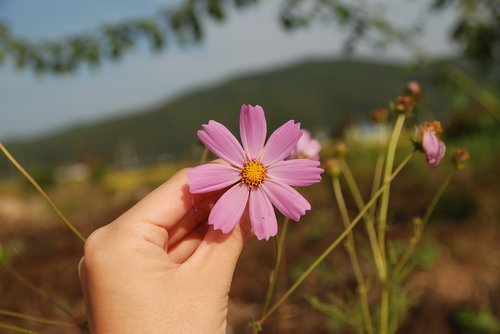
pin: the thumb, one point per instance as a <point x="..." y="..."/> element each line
<point x="216" y="257"/>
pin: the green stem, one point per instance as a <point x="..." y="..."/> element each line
<point x="280" y="242"/>
<point x="377" y="175"/>
<point x="418" y="231"/>
<point x="382" y="219"/>
<point x="384" y="199"/>
<point x="23" y="280"/>
<point x="34" y="318"/>
<point x="437" y="197"/>
<point x="332" y="246"/>
<point x="487" y="100"/>
<point x="42" y="192"/>
<point x="370" y="228"/>
<point x="351" y="249"/>
<point x="16" y="329"/>
<point x="204" y="156"/>
<point x="273" y="281"/>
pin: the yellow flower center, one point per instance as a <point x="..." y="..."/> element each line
<point x="253" y="173"/>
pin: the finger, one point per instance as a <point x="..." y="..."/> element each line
<point x="165" y="205"/>
<point x="198" y="214"/>
<point x="183" y="250"/>
<point x="217" y="254"/>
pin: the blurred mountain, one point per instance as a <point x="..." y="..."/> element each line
<point x="323" y="95"/>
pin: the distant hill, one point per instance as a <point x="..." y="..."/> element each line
<point x="322" y="95"/>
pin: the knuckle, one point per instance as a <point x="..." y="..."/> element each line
<point x="95" y="246"/>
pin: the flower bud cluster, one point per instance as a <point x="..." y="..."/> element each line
<point x="460" y="157"/>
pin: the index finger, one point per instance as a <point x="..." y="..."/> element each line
<point x="167" y="204"/>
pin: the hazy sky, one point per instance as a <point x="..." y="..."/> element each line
<point x="249" y="40"/>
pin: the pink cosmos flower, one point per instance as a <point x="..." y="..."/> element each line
<point x="434" y="149"/>
<point x="256" y="174"/>
<point x="306" y="147"/>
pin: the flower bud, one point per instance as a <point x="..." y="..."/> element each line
<point x="333" y="167"/>
<point x="380" y="115"/>
<point x="413" y="89"/>
<point x="404" y="104"/>
<point x="460" y="157"/>
<point x="340" y="149"/>
<point x="306" y="148"/>
<point x="427" y="140"/>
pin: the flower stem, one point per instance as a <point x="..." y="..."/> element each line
<point x="437" y="197"/>
<point x="486" y="99"/>
<point x="36" y="319"/>
<point x="351" y="249"/>
<point x="332" y="246"/>
<point x="384" y="199"/>
<point x="418" y="230"/>
<point x="370" y="228"/>
<point x="280" y="242"/>
<point x="16" y="329"/>
<point x="204" y="156"/>
<point x="42" y="192"/>
<point x="382" y="219"/>
<point x="377" y="175"/>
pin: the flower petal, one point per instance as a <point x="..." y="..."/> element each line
<point x="262" y="216"/>
<point x="220" y="141"/>
<point x="434" y="149"/>
<point x="286" y="199"/>
<point x="281" y="143"/>
<point x="296" y="172"/>
<point x="228" y="210"/>
<point x="303" y="141"/>
<point x="313" y="149"/>
<point x="211" y="177"/>
<point x="253" y="129"/>
<point x="442" y="150"/>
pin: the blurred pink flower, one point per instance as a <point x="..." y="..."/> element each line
<point x="257" y="174"/>
<point x="307" y="147"/>
<point x="434" y="149"/>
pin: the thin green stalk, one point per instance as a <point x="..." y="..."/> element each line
<point x="332" y="246"/>
<point x="487" y="100"/>
<point x="351" y="249"/>
<point x="384" y="199"/>
<point x="23" y="280"/>
<point x="437" y="197"/>
<point x="382" y="219"/>
<point x="418" y="231"/>
<point x="35" y="319"/>
<point x="369" y="223"/>
<point x="42" y="192"/>
<point x="377" y="179"/>
<point x="273" y="281"/>
<point x="204" y="156"/>
<point x="280" y="243"/>
<point x="16" y="329"/>
<point x="377" y="175"/>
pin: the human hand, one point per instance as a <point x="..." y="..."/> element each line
<point x="159" y="268"/>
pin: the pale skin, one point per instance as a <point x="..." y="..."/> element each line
<point x="160" y="268"/>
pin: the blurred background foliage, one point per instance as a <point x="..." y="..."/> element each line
<point x="477" y="31"/>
